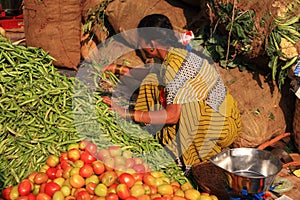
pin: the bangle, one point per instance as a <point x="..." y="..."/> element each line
<point x="141" y="116"/>
<point x="129" y="115"/>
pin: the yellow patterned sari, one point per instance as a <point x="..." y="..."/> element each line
<point x="209" y="119"/>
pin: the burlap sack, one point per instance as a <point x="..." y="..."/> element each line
<point x="55" y="26"/>
<point x="265" y="113"/>
<point x="126" y="14"/>
<point x="296" y="125"/>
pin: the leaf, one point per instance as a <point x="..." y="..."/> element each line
<point x="240" y="31"/>
<point x="220" y="50"/>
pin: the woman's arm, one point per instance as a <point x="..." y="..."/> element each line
<point x="170" y="115"/>
<point x="117" y="69"/>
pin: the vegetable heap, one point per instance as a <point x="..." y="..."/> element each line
<point x="86" y="172"/>
<point x="242" y="32"/>
<point x="36" y="117"/>
<point x="43" y="111"/>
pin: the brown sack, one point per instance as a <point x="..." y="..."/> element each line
<point x="265" y="113"/>
<point x="126" y="14"/>
<point x="296" y="125"/>
<point x="55" y="26"/>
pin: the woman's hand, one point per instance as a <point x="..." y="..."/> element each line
<point x="170" y="115"/>
<point x="109" y="68"/>
<point x="124" y="113"/>
<point x="116" y="69"/>
<point x="107" y="100"/>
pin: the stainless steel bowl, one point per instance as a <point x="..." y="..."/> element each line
<point x="248" y="169"/>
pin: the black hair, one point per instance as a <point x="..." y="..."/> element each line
<point x="155" y="20"/>
<point x="161" y="30"/>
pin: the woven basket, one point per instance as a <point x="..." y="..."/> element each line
<point x="296" y="124"/>
<point x="211" y="179"/>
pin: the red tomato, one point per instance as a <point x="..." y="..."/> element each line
<point x="59" y="173"/>
<point x="66" y="172"/>
<point x="112" y="196"/>
<point x="98" y="167"/>
<point x="74" y="154"/>
<point x="127" y="179"/>
<point x="86" y="171"/>
<point x="70" y="198"/>
<point x="144" y="197"/>
<point x="43" y="196"/>
<point x="82" y="145"/>
<point x="31" y="196"/>
<point x="115" y="151"/>
<point x="51" y="187"/>
<point x="58" y="166"/>
<point x="63" y="156"/>
<point x="112" y="188"/>
<point x="138" y="160"/>
<point x="51" y="173"/>
<point x="153" y="189"/>
<point x="123" y="191"/>
<point x="138" y="176"/>
<point x="102" y="154"/>
<point x="64" y="164"/>
<point x="131" y="198"/>
<point x="149" y="179"/>
<point x="40" y="177"/>
<point x="109" y="178"/>
<point x="6" y="192"/>
<point x="109" y="163"/>
<point x="91" y="147"/>
<point x="77" y="181"/>
<point x="129" y="162"/>
<point x="42" y="188"/>
<point x="167" y="197"/>
<point x="139" y="168"/>
<point x="22" y="198"/>
<point x="25" y="187"/>
<point x="83" y="195"/>
<point x="147" y="189"/>
<point x="87" y="157"/>
<point x="90" y="187"/>
<point x="31" y="176"/>
<point x="52" y="160"/>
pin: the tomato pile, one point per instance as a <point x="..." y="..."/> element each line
<point x="85" y="172"/>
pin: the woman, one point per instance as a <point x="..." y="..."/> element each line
<point x="185" y="94"/>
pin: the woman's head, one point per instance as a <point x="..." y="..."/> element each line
<point x="157" y="27"/>
<point x="156" y="35"/>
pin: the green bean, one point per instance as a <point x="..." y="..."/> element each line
<point x="8" y="59"/>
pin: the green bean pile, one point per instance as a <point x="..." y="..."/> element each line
<point x="42" y="113"/>
<point x="35" y="111"/>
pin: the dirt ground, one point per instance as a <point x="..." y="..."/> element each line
<point x="266" y="111"/>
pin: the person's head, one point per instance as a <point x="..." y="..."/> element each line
<point x="156" y="32"/>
